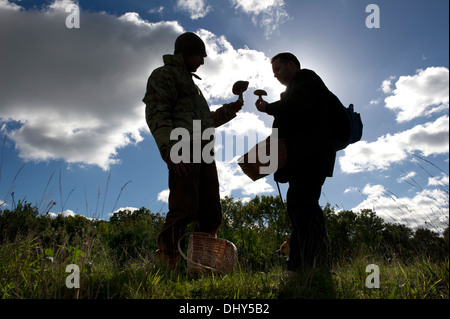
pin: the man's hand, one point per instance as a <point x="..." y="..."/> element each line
<point x="261" y="105"/>
<point x="236" y="106"/>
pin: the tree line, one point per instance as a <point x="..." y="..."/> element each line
<point x="257" y="228"/>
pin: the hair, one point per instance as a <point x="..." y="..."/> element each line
<point x="287" y="57"/>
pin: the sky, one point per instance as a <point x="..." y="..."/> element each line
<point x="73" y="134"/>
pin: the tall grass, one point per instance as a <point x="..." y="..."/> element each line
<point x="113" y="264"/>
<point x="26" y="272"/>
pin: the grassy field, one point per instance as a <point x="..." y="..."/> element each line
<point x="115" y="258"/>
<point x="29" y="271"/>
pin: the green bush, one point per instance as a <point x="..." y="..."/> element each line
<point x="132" y="234"/>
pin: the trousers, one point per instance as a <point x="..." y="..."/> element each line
<point x="309" y="240"/>
<point x="195" y="199"/>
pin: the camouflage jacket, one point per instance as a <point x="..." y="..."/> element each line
<point x="174" y="101"/>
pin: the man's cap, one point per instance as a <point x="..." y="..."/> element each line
<point x="190" y="44"/>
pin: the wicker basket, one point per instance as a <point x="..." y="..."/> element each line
<point x="208" y="254"/>
<point x="251" y="164"/>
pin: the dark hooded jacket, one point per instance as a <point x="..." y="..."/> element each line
<point x="303" y="117"/>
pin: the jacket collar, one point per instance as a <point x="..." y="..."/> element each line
<point x="178" y="61"/>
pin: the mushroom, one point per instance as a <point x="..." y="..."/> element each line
<point x="240" y="87"/>
<point x="260" y="93"/>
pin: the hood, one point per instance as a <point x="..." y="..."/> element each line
<point x="174" y="60"/>
<point x="177" y="60"/>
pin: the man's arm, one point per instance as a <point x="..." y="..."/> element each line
<point x="303" y="91"/>
<point x="159" y="99"/>
<point x="226" y="113"/>
<point x="299" y="93"/>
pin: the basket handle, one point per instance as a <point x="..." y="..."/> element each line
<point x="188" y="259"/>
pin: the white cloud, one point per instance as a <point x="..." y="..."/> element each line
<point x="123" y="209"/>
<point x="442" y="181"/>
<point x="128" y="208"/>
<point x="76" y="93"/>
<point x="406" y="177"/>
<point x="71" y="213"/>
<point x="238" y="136"/>
<point x="68" y="213"/>
<point x="428" y="139"/>
<point x="427" y="208"/>
<point x="195" y="8"/>
<point x="268" y="14"/>
<point x="159" y="9"/>
<point x="65" y="213"/>
<point x="232" y="179"/>
<point x="163" y="196"/>
<point x="350" y="190"/>
<point x="5" y="5"/>
<point x="225" y="65"/>
<point x="59" y="5"/>
<point x="422" y="94"/>
<point x="387" y="84"/>
<point x="374" y="191"/>
<point x="246" y="123"/>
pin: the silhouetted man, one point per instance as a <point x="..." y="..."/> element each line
<point x="302" y="116"/>
<point x="173" y="101"/>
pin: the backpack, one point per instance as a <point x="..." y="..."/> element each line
<point x="347" y="125"/>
